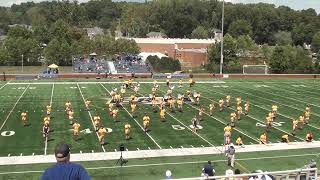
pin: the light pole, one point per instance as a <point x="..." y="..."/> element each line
<point x="22" y="63"/>
<point x="221" y="60"/>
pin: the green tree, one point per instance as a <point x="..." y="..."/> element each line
<point x="58" y="52"/>
<point x="279" y="61"/>
<point x="200" y="33"/>
<point x="229" y="49"/>
<point x="282" y="38"/>
<point x="125" y="46"/>
<point x="302" y="62"/>
<point x="315" y="45"/>
<point x="214" y="53"/>
<point x="19" y="31"/>
<point x="240" y="27"/>
<point x="165" y="64"/>
<point x="245" y="45"/>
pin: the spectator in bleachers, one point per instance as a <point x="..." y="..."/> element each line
<point x="64" y="169"/>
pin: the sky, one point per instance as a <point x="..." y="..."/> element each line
<point x="294" y="4"/>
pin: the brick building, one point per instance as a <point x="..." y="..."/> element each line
<point x="192" y="53"/>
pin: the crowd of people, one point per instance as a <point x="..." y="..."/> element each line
<point x="131" y="64"/>
<point x="89" y="65"/>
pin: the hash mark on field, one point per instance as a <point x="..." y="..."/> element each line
<point x="149" y="148"/>
<point x="9" y="155"/>
<point x="138" y="149"/>
<point x="171" y="147"/>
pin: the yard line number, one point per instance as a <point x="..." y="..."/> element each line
<point x="8" y="133"/>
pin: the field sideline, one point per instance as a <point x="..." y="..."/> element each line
<point x="154" y="168"/>
<point x="291" y="95"/>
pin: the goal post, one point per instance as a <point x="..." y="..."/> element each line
<point x="255" y="69"/>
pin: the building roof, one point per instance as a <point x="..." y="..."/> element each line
<point x="156" y="34"/>
<point x="172" y="41"/>
<point x="202" y="50"/>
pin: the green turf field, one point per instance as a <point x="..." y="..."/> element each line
<point x="291" y="96"/>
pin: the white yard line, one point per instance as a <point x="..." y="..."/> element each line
<point x="258" y="119"/>
<point x="51" y="94"/>
<point x="274" y="94"/>
<point x="191" y="130"/>
<point x="136" y="121"/>
<point x="13" y="107"/>
<point x="236" y="129"/>
<point x="112" y="82"/>
<point x="281" y="88"/>
<point x="13" y="160"/>
<point x="46" y="141"/>
<point x="275" y="101"/>
<point x="104" y="150"/>
<point x="187" y="127"/>
<point x="3" y="86"/>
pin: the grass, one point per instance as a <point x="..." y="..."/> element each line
<point x="291" y="95"/>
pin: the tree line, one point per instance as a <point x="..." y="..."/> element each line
<point x="59" y="25"/>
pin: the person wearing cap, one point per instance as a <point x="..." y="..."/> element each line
<point x="208" y="169"/>
<point x="64" y="169"/>
<point x="230" y="153"/>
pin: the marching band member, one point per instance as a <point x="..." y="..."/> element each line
<point x="221" y="103"/>
<point x="211" y="108"/>
<point x="102" y="133"/>
<point x="228" y="100"/>
<point x="24" y="118"/>
<point x="127" y="130"/>
<point x="146" y="122"/>
<point x="246" y="108"/>
<point x="76" y="130"/>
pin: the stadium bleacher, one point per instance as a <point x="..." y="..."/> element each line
<point x="121" y="64"/>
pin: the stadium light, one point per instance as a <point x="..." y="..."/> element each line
<point x="222" y="24"/>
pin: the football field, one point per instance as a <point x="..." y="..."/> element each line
<point x="291" y="96"/>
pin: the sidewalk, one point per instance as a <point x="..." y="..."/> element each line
<point x="155" y="153"/>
